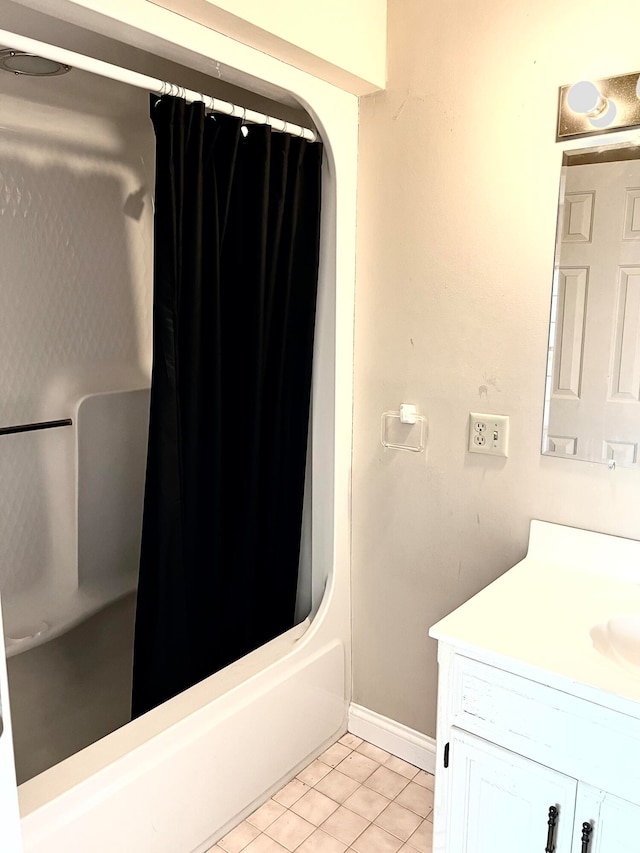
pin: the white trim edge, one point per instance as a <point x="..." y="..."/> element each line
<point x="396" y="738"/>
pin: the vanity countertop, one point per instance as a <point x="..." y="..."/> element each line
<point x="537" y="617"/>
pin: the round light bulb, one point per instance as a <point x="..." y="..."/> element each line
<point x="584" y="98"/>
<point x="606" y="118"/>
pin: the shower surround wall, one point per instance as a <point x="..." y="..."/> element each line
<point x="151" y="784"/>
<point x="76" y="171"/>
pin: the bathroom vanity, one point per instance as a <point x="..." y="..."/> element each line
<point x="538" y="742"/>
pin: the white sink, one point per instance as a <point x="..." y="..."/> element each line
<point x="619" y="639"/>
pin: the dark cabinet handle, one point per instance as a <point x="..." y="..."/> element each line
<point x="553" y="819"/>
<point x="587" y="829"/>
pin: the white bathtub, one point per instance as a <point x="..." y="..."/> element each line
<point x="178" y="778"/>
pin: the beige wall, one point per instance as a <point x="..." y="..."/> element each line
<point x="458" y="179"/>
<point x="342" y="41"/>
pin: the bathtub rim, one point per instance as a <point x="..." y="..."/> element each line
<point x="135" y="800"/>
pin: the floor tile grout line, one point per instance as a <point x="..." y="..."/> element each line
<point x="341" y="755"/>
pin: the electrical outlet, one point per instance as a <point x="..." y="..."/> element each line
<point x="489" y="434"/>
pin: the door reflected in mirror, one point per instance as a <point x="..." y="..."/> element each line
<point x="592" y="396"/>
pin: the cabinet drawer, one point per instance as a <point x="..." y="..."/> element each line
<point x="572" y="735"/>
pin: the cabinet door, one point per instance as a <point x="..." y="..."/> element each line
<point x="10" y="834"/>
<point x="615" y="823"/>
<point x="500" y="801"/>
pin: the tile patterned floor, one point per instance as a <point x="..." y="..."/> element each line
<point x="354" y="798"/>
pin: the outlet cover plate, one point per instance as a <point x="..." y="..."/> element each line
<point x="489" y="434"/>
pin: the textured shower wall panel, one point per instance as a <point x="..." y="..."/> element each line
<point x="75" y="296"/>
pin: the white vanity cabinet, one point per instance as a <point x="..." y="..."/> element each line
<point x="538" y="741"/>
<point x="500" y="800"/>
<point x="615" y="821"/>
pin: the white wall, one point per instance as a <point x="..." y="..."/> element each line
<point x="458" y="187"/>
<point x="342" y="41"/>
<point x="76" y="177"/>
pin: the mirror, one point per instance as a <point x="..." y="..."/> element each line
<point x="592" y="395"/>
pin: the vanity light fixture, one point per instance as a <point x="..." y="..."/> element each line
<point x="590" y="107"/>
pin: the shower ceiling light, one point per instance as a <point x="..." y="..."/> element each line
<point x="597" y="107"/>
<point x="30" y="65"/>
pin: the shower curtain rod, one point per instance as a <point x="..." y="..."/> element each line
<point x="13" y="41"/>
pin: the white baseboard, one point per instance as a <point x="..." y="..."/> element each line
<point x="399" y="740"/>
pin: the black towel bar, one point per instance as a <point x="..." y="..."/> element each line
<point x="10" y="430"/>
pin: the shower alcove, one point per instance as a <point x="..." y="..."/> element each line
<point x="76" y="162"/>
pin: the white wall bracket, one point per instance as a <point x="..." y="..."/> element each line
<point x="404" y="430"/>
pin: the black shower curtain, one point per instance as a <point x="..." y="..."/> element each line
<point x="237" y="224"/>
